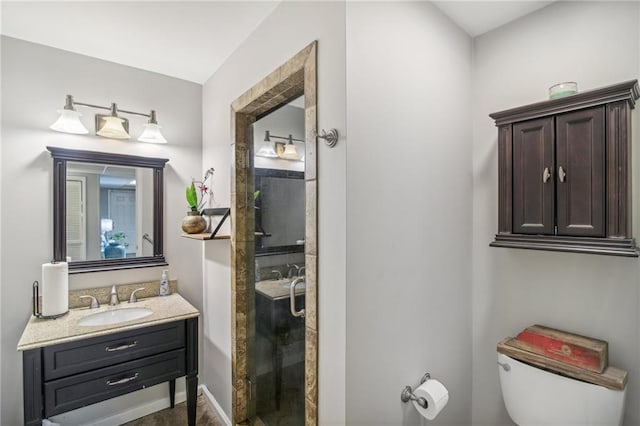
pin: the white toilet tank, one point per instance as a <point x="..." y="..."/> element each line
<point x="536" y="397"/>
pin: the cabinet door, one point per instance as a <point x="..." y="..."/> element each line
<point x="533" y="187"/>
<point x="580" y="172"/>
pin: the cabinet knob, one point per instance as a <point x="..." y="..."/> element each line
<point x="561" y="174"/>
<point x="546" y="174"/>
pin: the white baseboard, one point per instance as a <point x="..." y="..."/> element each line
<point x="213" y="404"/>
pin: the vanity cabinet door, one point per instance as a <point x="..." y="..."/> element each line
<point x="533" y="186"/>
<point x="580" y="179"/>
<point x="84" y="355"/>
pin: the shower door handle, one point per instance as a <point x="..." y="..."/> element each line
<point x="292" y="297"/>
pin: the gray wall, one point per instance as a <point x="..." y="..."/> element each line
<point x="291" y="27"/>
<point x="409" y="210"/>
<point x="35" y="80"/>
<point x="595" y="44"/>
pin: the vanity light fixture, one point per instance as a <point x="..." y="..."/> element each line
<point x="69" y="120"/>
<point x="151" y="133"/>
<point x="109" y="126"/>
<point x="112" y="126"/>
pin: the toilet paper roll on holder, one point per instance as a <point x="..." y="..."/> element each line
<point x="408" y="395"/>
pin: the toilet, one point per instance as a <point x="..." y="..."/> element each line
<point x="535" y="397"/>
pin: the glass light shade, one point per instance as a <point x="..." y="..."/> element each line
<point x="113" y="129"/>
<point x="266" y="150"/>
<point x="69" y="122"/>
<point x="290" y="152"/>
<point x="152" y="134"/>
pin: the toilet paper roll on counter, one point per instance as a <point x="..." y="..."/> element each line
<point x="55" y="288"/>
<point x="436" y="395"/>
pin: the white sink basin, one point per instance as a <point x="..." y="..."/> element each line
<point x="114" y="316"/>
<point x="299" y="286"/>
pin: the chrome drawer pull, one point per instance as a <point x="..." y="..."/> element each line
<point x="122" y="381"/>
<point x="121" y="347"/>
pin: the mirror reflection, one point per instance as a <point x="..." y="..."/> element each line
<point x="109" y="211"/>
<point x="279" y="208"/>
<point x="280" y="203"/>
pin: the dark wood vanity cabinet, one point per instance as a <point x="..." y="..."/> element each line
<point x="564" y="173"/>
<point x="66" y="376"/>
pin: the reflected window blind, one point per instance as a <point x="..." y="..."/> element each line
<point x="76" y="228"/>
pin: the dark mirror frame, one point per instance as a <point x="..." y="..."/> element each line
<point x="259" y="174"/>
<point x="60" y="158"/>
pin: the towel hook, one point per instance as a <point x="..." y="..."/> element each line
<point x="408" y="395"/>
<point x="330" y="139"/>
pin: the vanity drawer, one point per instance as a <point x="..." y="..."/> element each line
<point x="85" y="355"/>
<point x="88" y="388"/>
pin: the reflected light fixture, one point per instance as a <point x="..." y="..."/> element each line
<point x="109" y="126"/>
<point x="267" y="149"/>
<point x="290" y="152"/>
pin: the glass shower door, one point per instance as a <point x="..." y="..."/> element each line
<point x="278" y="349"/>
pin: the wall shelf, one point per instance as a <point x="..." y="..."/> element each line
<point x="206" y="236"/>
<point x="224" y="212"/>
<point x="209" y="236"/>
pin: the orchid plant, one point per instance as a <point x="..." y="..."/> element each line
<point x="198" y="193"/>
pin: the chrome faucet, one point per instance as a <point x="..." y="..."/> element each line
<point x="301" y="271"/>
<point x="277" y="273"/>
<point x="291" y="268"/>
<point x="94" y="302"/>
<point x="114" y="297"/>
<point x="134" y="298"/>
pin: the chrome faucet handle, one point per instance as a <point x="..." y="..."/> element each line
<point x="301" y="271"/>
<point x="133" y="298"/>
<point x="277" y="273"/>
<point x="94" y="302"/>
<point x="291" y="268"/>
<point x="114" y="297"/>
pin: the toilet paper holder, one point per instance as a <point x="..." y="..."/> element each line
<point x="408" y="395"/>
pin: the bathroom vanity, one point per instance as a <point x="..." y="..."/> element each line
<point x="67" y="366"/>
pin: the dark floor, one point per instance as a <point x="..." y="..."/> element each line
<point x="205" y="416"/>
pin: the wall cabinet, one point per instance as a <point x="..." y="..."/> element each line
<point x="564" y="173"/>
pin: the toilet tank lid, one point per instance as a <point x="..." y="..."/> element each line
<point x="612" y="377"/>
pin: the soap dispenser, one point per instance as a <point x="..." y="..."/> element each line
<point x="164" y="284"/>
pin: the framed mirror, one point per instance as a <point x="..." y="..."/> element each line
<point x="279" y="211"/>
<point x="107" y="210"/>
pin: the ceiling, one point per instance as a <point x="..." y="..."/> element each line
<point x="187" y="40"/>
<point x="478" y="17"/>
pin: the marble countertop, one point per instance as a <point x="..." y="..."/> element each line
<point x="46" y="332"/>
<point x="278" y="289"/>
